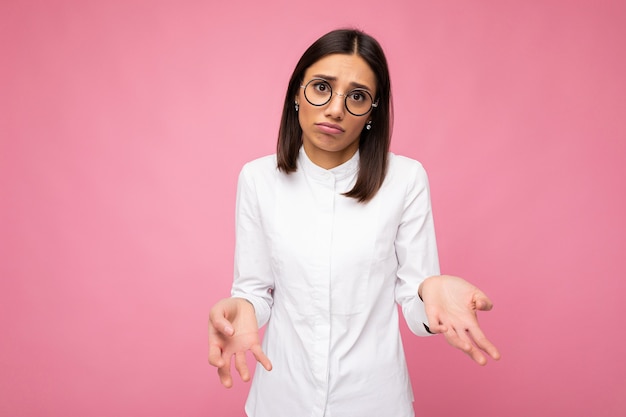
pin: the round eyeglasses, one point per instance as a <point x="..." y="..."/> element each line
<point x="358" y="102"/>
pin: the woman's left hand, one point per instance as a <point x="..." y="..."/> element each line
<point x="451" y="304"/>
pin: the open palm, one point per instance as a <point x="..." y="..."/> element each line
<point x="451" y="304"/>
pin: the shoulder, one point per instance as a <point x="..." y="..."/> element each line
<point x="407" y="179"/>
<point x="259" y="168"/>
<point x="405" y="176"/>
<point x="262" y="164"/>
<point x="404" y="168"/>
<point x="259" y="174"/>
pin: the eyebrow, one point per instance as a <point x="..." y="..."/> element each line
<point x="352" y="83"/>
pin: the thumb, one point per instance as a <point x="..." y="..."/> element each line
<point x="219" y="323"/>
<point x="482" y="302"/>
<point x="223" y="326"/>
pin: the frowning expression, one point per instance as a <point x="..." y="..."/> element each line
<point x="330" y="133"/>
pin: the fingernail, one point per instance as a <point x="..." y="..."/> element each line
<point x="228" y="329"/>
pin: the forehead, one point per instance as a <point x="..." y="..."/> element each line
<point x="344" y="70"/>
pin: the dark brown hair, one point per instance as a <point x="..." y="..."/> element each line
<point x="373" y="143"/>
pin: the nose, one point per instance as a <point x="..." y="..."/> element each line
<point x="335" y="107"/>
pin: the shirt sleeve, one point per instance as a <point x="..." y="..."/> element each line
<point x="253" y="277"/>
<point x="416" y="250"/>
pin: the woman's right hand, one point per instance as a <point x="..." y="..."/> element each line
<point x="233" y="330"/>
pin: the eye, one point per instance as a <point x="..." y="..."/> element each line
<point x="357" y="96"/>
<point x="321" y="86"/>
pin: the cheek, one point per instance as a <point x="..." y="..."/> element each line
<point x="359" y="125"/>
<point x="306" y="112"/>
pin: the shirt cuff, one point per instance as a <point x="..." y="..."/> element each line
<point x="415" y="315"/>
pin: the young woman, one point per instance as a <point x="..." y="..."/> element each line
<point x="332" y="233"/>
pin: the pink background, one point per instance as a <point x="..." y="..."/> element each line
<point x="123" y="126"/>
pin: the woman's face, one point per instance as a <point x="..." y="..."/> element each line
<point x="330" y="134"/>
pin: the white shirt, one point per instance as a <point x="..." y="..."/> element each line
<point x="325" y="272"/>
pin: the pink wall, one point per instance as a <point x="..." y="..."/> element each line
<point x="123" y="126"/>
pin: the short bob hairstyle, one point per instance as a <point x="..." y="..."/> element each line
<point x="373" y="143"/>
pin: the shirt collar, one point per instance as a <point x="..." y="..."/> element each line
<point x="347" y="169"/>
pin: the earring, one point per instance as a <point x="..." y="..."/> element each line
<point x="368" y="126"/>
<point x="297" y="107"/>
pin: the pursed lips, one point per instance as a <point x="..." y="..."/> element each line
<point x="330" y="128"/>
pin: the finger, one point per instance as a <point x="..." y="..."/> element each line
<point x="483" y="343"/>
<point x="224" y="374"/>
<point x="437" y="328"/>
<point x="260" y="356"/>
<point x="477" y="356"/>
<point x="216" y="342"/>
<point x="469" y="338"/>
<point x="215" y="356"/>
<point x="471" y="349"/>
<point x="460" y="339"/>
<point x="242" y="366"/>
<point x="455" y="340"/>
<point x="435" y="324"/>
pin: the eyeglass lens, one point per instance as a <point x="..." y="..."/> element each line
<point x="319" y="92"/>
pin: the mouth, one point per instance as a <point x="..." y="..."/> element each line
<point x="330" y="128"/>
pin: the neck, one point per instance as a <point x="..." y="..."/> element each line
<point x="329" y="159"/>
